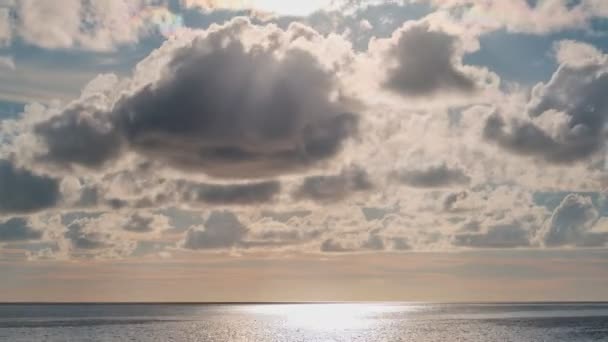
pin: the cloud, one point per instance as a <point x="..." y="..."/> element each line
<point x="281" y="237"/>
<point x="498" y="236"/>
<point x="139" y="224"/>
<point x="536" y="17"/>
<point x="24" y="192"/>
<point x="453" y="198"/>
<point x="82" y="240"/>
<point x="332" y="246"/>
<point x="435" y="176"/>
<point x="426" y="62"/>
<point x="92" y="25"/>
<point x="221" y="230"/>
<point x="231" y="194"/>
<point x="221" y="107"/>
<point x="567" y="115"/>
<point x="374" y="243"/>
<point x="18" y="229"/>
<point x="81" y="135"/>
<point x="571" y="222"/>
<point x="336" y="187"/>
<point x="99" y="235"/>
<point x="400" y="244"/>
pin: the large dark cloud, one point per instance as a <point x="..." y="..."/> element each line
<point x="221" y="230"/>
<point x="231" y="194"/>
<point x="426" y="63"/>
<point x="220" y="108"/>
<point x="334" y="187"/>
<point x="571" y="223"/>
<point x="18" y="229"/>
<point x="81" y="135"/>
<point x="21" y="191"/>
<point x="576" y="98"/>
<point x="433" y="177"/>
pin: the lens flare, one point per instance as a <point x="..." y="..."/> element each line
<point x="159" y="18"/>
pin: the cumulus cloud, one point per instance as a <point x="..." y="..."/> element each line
<point x="221" y="107"/>
<point x="93" y="25"/>
<point x="22" y="191"/>
<point x="18" y="229"/>
<point x="571" y="223"/>
<point x="425" y="62"/>
<point x="98" y="235"/>
<point x="335" y="187"/>
<point x="221" y="230"/>
<point x="537" y="17"/>
<point x="81" y="135"/>
<point x="567" y="115"/>
<point x="434" y="176"/>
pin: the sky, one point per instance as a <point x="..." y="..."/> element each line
<point x="330" y="150"/>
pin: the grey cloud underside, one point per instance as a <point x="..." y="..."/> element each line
<point x="221" y="109"/>
<point x="221" y="230"/>
<point x="425" y="64"/>
<point x="498" y="236"/>
<point x="232" y="194"/>
<point x="21" y="191"/>
<point x="139" y="224"/>
<point x="81" y="135"/>
<point x="577" y="91"/>
<point x="433" y="177"/>
<point x="334" y="187"/>
<point x="84" y="240"/>
<point x="450" y="201"/>
<point x="18" y="229"/>
<point x="332" y="246"/>
<point x="571" y="224"/>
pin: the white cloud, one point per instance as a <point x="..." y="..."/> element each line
<point x="517" y="15"/>
<point x="91" y="25"/>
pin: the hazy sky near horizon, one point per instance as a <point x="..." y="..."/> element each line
<point x="218" y="150"/>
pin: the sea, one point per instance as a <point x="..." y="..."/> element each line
<point x="420" y="322"/>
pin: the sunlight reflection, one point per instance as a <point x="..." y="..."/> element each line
<point x="327" y="316"/>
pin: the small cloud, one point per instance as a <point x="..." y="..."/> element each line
<point x="335" y="187"/>
<point x="435" y="176"/>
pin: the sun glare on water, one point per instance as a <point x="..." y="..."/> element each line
<point x="326" y="316"/>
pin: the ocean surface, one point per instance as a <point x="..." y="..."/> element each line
<point x="306" y="322"/>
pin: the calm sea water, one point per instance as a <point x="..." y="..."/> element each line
<point x="306" y="322"/>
